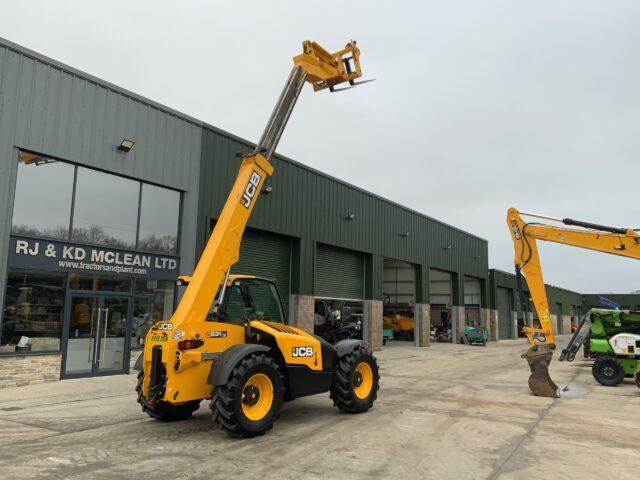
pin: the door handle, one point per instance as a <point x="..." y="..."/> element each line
<point x="104" y="338"/>
<point x="91" y="343"/>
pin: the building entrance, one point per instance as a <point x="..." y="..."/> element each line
<point x="95" y="334"/>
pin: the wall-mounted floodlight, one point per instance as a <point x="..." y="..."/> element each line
<point x="476" y="257"/>
<point x="405" y="234"/>
<point x="126" y="145"/>
<point x="448" y="247"/>
<point x="350" y="216"/>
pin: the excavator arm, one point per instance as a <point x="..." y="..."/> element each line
<point x="615" y="241"/>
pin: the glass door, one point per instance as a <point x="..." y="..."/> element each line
<point x="84" y="312"/>
<point x="111" y="337"/>
<point x="95" y="340"/>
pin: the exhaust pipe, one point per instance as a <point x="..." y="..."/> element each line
<point x="540" y="383"/>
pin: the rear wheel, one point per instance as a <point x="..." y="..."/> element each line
<point x="163" y="410"/>
<point x="356" y="382"/>
<point x="636" y="377"/>
<point x="608" y="371"/>
<point x="248" y="404"/>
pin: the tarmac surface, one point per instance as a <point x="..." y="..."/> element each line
<point x="444" y="412"/>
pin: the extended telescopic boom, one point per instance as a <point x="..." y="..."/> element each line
<point x="323" y="70"/>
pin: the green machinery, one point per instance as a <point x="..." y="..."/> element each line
<point x="473" y="334"/>
<point x="612" y="337"/>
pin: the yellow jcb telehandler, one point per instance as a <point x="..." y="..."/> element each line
<point x="242" y="355"/>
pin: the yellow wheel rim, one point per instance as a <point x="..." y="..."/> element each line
<point x="362" y="380"/>
<point x="257" y="397"/>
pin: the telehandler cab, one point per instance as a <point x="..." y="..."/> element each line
<point x="242" y="355"/>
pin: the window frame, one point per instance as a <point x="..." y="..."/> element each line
<point x="257" y="280"/>
<point x="75" y="165"/>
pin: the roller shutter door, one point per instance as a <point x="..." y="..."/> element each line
<point x="339" y="273"/>
<point x="266" y="254"/>
<point x="504" y="313"/>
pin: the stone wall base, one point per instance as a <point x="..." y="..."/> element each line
<point x="514" y="324"/>
<point x="302" y="307"/>
<point x="494" y="332"/>
<point x="373" y="324"/>
<point x="423" y="324"/>
<point x="29" y="369"/>
<point x="457" y="323"/>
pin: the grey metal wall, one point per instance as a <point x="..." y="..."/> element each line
<point x="55" y="110"/>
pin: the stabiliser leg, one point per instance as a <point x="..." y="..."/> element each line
<point x="540" y="383"/>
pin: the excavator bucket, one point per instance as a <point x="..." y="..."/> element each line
<point x="540" y="382"/>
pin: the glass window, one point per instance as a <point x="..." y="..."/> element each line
<point x="33" y="311"/>
<point x="152" y="303"/>
<point x="264" y="300"/>
<point x="159" y="213"/>
<point x="253" y="299"/>
<point x="42" y="205"/>
<point x="100" y="283"/>
<point x="235" y="309"/>
<point x="106" y="209"/>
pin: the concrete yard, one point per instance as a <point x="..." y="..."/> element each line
<point x="448" y="411"/>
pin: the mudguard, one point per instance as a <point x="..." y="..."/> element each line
<point x="225" y="363"/>
<point x="138" y="365"/>
<point x="345" y="347"/>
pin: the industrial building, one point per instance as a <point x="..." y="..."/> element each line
<point x="109" y="196"/>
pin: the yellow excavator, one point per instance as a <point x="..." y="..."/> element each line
<point x="624" y="242"/>
<point x="227" y="340"/>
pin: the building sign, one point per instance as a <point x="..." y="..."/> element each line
<point x="39" y="254"/>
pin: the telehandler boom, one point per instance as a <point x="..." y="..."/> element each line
<point x="624" y="242"/>
<point x="227" y="339"/>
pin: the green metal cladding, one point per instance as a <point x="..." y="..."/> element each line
<point x="314" y="208"/>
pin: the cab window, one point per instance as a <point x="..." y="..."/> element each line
<point x="235" y="306"/>
<point x="254" y="300"/>
<point x="265" y="300"/>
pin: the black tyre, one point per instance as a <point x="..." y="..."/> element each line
<point x="636" y="377"/>
<point x="165" y="411"/>
<point x="607" y="371"/>
<point x="484" y="343"/>
<point x="356" y="382"/>
<point x="248" y="404"/>
<point x="587" y="349"/>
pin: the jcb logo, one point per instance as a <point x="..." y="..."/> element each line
<point x="165" y="326"/>
<point x="250" y="190"/>
<point x="516" y="230"/>
<point x="302" y="352"/>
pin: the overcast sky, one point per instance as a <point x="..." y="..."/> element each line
<point x="478" y="105"/>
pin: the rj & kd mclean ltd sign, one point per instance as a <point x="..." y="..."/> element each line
<point x="61" y="256"/>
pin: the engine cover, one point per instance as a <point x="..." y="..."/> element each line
<point x="627" y="344"/>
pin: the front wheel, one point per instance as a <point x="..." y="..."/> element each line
<point x="356" y="382"/>
<point x="165" y="411"/>
<point x="248" y="404"/>
<point x="608" y="371"/>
